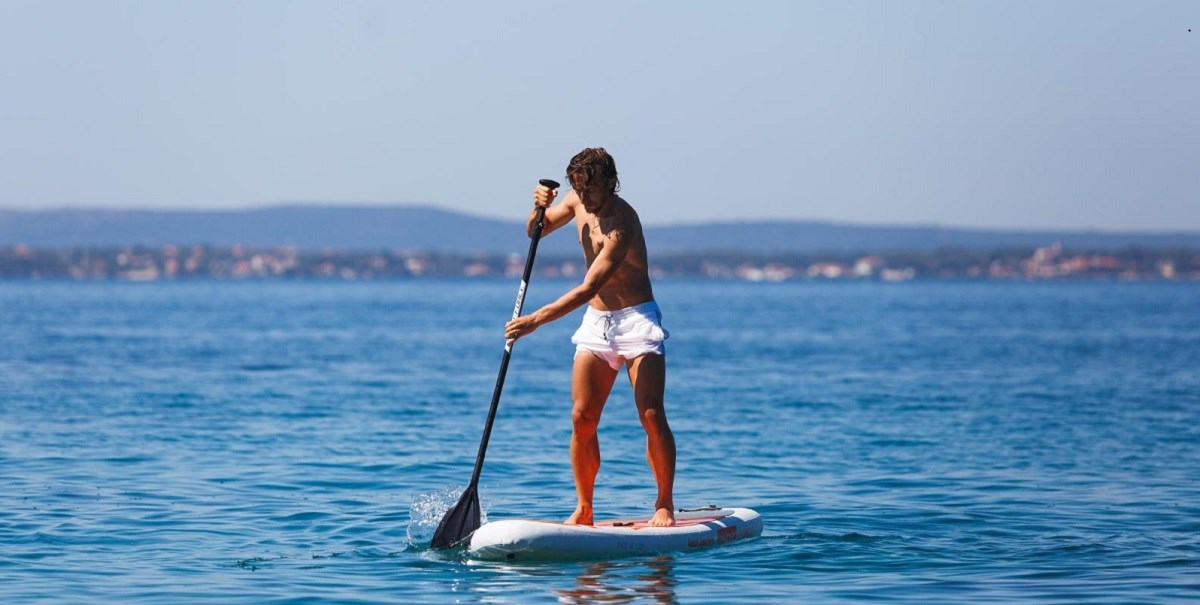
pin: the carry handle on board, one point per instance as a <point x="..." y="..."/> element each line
<point x="462" y="520"/>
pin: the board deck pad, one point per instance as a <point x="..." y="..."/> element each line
<point x="525" y="539"/>
<point x="682" y="519"/>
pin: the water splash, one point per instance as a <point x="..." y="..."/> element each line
<point x="427" y="510"/>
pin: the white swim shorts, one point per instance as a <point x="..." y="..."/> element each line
<point x="617" y="336"/>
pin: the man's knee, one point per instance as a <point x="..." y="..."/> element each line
<point x="654" y="419"/>
<point x="584" y="420"/>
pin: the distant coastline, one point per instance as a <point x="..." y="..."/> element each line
<point x="417" y="227"/>
<point x="402" y="242"/>
<point x="173" y="262"/>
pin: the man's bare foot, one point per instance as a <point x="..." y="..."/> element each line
<point x="581" y="516"/>
<point x="663" y="517"/>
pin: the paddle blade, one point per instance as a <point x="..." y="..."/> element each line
<point x="459" y="523"/>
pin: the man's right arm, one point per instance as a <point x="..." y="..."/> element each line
<point x="556" y="216"/>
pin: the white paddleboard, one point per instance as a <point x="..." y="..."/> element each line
<point x="523" y="539"/>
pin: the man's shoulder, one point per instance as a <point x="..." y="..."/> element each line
<point x="629" y="219"/>
<point x="624" y="227"/>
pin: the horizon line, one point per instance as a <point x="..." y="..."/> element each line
<point x="331" y="205"/>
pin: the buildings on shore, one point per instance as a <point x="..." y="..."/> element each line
<point x="240" y="262"/>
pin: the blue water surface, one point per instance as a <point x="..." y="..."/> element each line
<point x="276" y="442"/>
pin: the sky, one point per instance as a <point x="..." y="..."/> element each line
<point x="1042" y="114"/>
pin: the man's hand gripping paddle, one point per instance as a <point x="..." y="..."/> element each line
<point x="462" y="520"/>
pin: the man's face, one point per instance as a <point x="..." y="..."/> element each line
<point x="593" y="195"/>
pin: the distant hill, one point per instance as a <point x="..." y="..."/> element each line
<point x="423" y="227"/>
<point x="825" y="236"/>
<point x="349" y="227"/>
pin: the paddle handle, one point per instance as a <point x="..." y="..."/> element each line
<point x="538" y="225"/>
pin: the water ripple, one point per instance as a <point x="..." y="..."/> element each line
<point x="300" y="441"/>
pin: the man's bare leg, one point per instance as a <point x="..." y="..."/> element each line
<point x="591" y="382"/>
<point x="648" y="375"/>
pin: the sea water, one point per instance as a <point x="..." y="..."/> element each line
<point x="260" y="442"/>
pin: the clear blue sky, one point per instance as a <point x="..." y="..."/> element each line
<point x="998" y="114"/>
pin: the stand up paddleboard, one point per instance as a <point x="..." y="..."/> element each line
<point x="522" y="539"/>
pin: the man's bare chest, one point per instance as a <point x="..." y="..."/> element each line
<point x="590" y="239"/>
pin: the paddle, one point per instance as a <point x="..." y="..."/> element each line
<point x="462" y="520"/>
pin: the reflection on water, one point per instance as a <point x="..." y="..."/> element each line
<point x="651" y="580"/>
<point x="610" y="582"/>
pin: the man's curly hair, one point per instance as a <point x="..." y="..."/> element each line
<point x="593" y="165"/>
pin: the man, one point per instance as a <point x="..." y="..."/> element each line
<point x="622" y="325"/>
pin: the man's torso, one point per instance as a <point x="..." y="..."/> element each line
<point x="630" y="285"/>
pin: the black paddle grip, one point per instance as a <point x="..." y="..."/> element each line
<point x="549" y="183"/>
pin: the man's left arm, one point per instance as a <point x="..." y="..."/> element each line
<point x="605" y="265"/>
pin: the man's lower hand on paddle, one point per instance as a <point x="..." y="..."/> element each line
<point x="519" y="327"/>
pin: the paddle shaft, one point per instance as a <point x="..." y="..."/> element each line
<point x="508" y="345"/>
<point x="463" y="519"/>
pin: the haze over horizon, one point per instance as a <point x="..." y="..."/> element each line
<point x="1019" y="115"/>
<point x="669" y="222"/>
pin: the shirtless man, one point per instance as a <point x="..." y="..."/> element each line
<point x="622" y="326"/>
